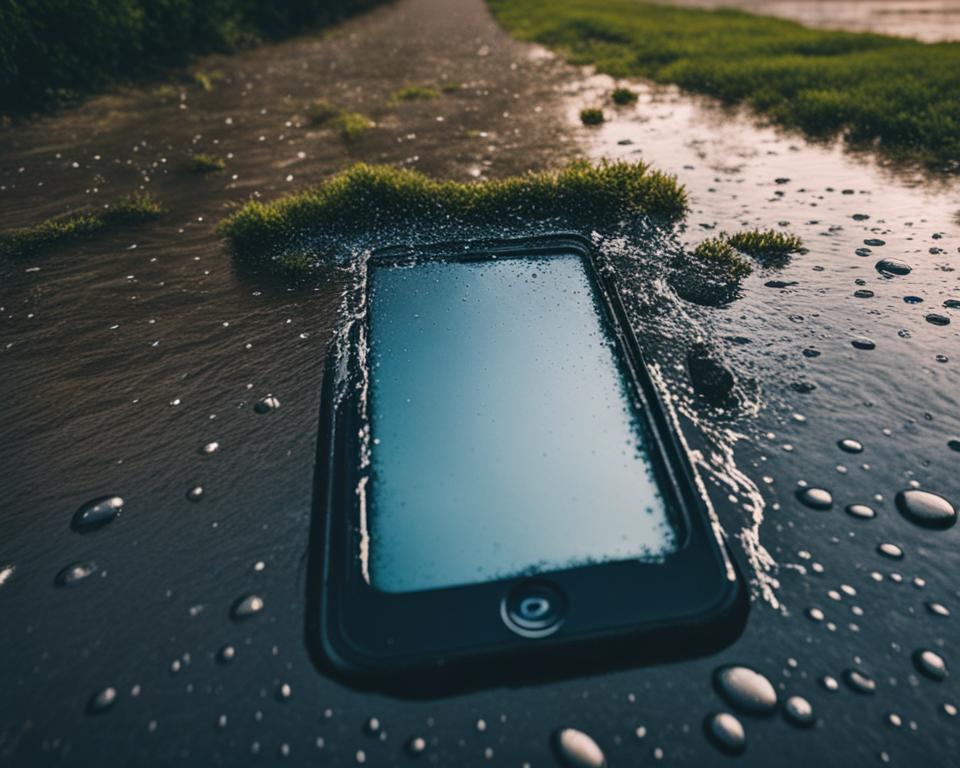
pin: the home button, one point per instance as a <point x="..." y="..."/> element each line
<point x="533" y="608"/>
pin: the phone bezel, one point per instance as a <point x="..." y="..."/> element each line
<point x="692" y="599"/>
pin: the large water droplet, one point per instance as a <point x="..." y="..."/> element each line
<point x="849" y="445"/>
<point x="746" y="689"/>
<point x="575" y="749"/>
<point x="799" y="711"/>
<point x="926" y="509"/>
<point x="815" y="498"/>
<point x="74" y="573"/>
<point x="893" y="267"/>
<point x="725" y="732"/>
<point x="930" y="664"/>
<point x="267" y="404"/>
<point x="247" y="606"/>
<point x="935" y="318"/>
<point x="96" y="513"/>
<point x="102" y="700"/>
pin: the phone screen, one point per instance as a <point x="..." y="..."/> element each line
<point x="505" y="440"/>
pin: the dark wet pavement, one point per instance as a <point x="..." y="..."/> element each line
<point x="122" y="357"/>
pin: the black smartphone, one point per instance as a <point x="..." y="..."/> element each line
<point x="500" y="492"/>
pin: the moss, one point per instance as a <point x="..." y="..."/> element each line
<point x="452" y="87"/>
<point x="623" y="96"/>
<point x="591" y="116"/>
<point x="366" y="196"/>
<point x="769" y="247"/>
<point x="206" y="79"/>
<point x="899" y="95"/>
<point x="722" y="259"/>
<point x="322" y="112"/>
<point x="415" y="93"/>
<point x="135" y="209"/>
<point x="204" y="163"/>
<point x="352" y="125"/>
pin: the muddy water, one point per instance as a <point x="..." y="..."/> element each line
<point x="121" y="358"/>
<point x="929" y="20"/>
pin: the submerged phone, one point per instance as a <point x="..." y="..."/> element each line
<point x="500" y="493"/>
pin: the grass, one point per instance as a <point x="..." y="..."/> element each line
<point x="350" y="125"/>
<point x="269" y="235"/>
<point x="623" y="96"/>
<point x="204" y="163"/>
<point x="415" y="93"/>
<point x="724" y="255"/>
<point x="53" y="49"/>
<point x="591" y="116"/>
<point x="898" y="95"/>
<point x="135" y="209"/>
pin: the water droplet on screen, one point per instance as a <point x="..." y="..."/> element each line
<point x="102" y="700"/>
<point x="575" y="749"/>
<point x="96" y="513"/>
<point x="246" y="607"/>
<point x="746" y="689"/>
<point x="725" y="732"/>
<point x="930" y="664"/>
<point x="799" y="711"/>
<point x="815" y="498"/>
<point x="858" y="682"/>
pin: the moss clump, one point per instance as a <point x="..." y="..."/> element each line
<point x="899" y="94"/>
<point x="452" y="87"/>
<point x="769" y="247"/>
<point x="623" y="96"/>
<point x="722" y="259"/>
<point x="365" y="196"/>
<point x="352" y="125"/>
<point x="204" y="163"/>
<point x="415" y="93"/>
<point x="135" y="209"/>
<point x="591" y="116"/>
<point x="322" y="112"/>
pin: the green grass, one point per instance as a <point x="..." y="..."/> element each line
<point x="623" y="96"/>
<point x="204" y="163"/>
<point x="591" y="116"/>
<point x="269" y="235"/>
<point x="898" y="95"/>
<point x="53" y="49"/>
<point x="135" y="209"/>
<point x="415" y="93"/>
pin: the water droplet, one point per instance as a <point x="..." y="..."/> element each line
<point x="926" y="509"/>
<point x="372" y="726"/>
<point x="267" y="404"/>
<point x="849" y="445"/>
<point x="864" y="343"/>
<point x="799" y="711"/>
<point x="284" y="691"/>
<point x="938" y="609"/>
<point x="913" y="300"/>
<point x="858" y="682"/>
<point x="102" y="700"/>
<point x="247" y="606"/>
<point x="930" y="664"/>
<point x="954" y="443"/>
<point x="75" y="572"/>
<point x="746" y="689"/>
<point x="815" y="498"/>
<point x="725" y="732"/>
<point x="575" y="749"/>
<point x="226" y="654"/>
<point x="96" y="513"/>
<point x="893" y="267"/>
<point x="830" y="683"/>
<point x="936" y="319"/>
<point x="211" y="447"/>
<point x="195" y="493"/>
<point x="890" y="550"/>
<point x="416" y="745"/>
<point x="875" y="242"/>
<point x="861" y="510"/>
<point x="863" y="293"/>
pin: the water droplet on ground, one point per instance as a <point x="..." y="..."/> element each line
<point x="926" y="509"/>
<point x="746" y="690"/>
<point x="799" y="711"/>
<point x="890" y="550"/>
<point x="930" y="664"/>
<point x="226" y="654"/>
<point x="267" y="404"/>
<point x="725" y="732"/>
<point x="211" y="447"/>
<point x="815" y="498"/>
<point x="849" y="445"/>
<point x="936" y="319"/>
<point x="893" y="267"/>
<point x="102" y="700"/>
<point x="75" y="572"/>
<point x="861" y="510"/>
<point x="575" y="749"/>
<point x="195" y="493"/>
<point x="246" y="607"/>
<point x="96" y="513"/>
<point x="858" y="682"/>
<point x="875" y="242"/>
<point x="938" y="609"/>
<point x="864" y="343"/>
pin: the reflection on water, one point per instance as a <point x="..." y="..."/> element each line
<point x="928" y="20"/>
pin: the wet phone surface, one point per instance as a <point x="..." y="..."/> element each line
<point x="499" y="475"/>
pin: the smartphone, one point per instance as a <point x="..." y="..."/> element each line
<point x="500" y="492"/>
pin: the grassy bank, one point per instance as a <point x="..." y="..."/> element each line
<point x="135" y="209"/>
<point x="52" y="49"/>
<point x="901" y="95"/>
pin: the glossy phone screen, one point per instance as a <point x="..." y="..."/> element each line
<point x="505" y="440"/>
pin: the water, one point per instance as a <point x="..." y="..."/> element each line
<point x="746" y="689"/>
<point x="505" y="440"/>
<point x="726" y="732"/>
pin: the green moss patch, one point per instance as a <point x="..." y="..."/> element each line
<point x="769" y="247"/>
<point x="350" y="125"/>
<point x="591" y="116"/>
<point x="623" y="96"/>
<point x="415" y="93"/>
<point x="897" y="94"/>
<point x="204" y="163"/>
<point x="135" y="209"/>
<point x="271" y="235"/>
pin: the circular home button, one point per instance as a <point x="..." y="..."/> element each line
<point x="533" y="608"/>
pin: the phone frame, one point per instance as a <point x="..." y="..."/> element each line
<point x="425" y="642"/>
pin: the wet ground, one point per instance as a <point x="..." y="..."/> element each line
<point x="929" y="20"/>
<point x="123" y="357"/>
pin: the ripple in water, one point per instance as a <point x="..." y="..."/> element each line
<point x="575" y="749"/>
<point x="746" y="689"/>
<point x="96" y="513"/>
<point x="926" y="509"/>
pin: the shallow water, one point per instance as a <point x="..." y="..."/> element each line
<point x="124" y="357"/>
